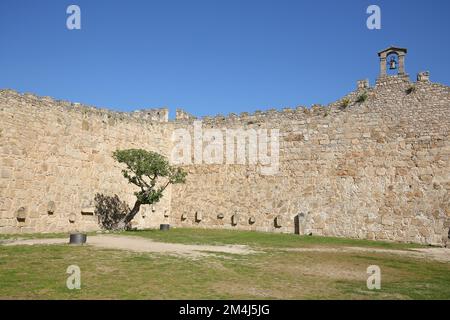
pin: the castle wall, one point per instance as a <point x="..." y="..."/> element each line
<point x="56" y="156"/>
<point x="375" y="169"/>
<point x="378" y="169"/>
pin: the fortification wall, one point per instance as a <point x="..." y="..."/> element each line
<point x="377" y="169"/>
<point x="374" y="169"/>
<point x="55" y="157"/>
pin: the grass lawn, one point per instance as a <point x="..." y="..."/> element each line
<point x="260" y="239"/>
<point x="39" y="272"/>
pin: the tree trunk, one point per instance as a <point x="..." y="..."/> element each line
<point x="132" y="213"/>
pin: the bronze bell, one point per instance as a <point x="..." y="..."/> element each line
<point x="392" y="64"/>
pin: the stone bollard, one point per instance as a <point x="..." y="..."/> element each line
<point x="164" y="227"/>
<point x="77" y="238"/>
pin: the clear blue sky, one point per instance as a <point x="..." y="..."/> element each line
<point x="213" y="56"/>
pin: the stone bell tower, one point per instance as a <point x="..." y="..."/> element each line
<point x="395" y="57"/>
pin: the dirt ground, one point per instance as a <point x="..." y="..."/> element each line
<point x="142" y="245"/>
<point x="137" y="244"/>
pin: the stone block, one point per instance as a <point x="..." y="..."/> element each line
<point x="387" y="221"/>
<point x="6" y="173"/>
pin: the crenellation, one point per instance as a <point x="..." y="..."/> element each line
<point x="423" y="76"/>
<point x="159" y="114"/>
<point x="363" y="84"/>
<point x="183" y="115"/>
<point x="27" y="99"/>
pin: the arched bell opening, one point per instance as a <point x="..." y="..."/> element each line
<point x="392" y="61"/>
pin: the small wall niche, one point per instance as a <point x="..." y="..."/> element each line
<point x="72" y="218"/>
<point x="87" y="211"/>
<point x="51" y="207"/>
<point x="235" y="219"/>
<point x="21" y="214"/>
<point x="278" y="222"/>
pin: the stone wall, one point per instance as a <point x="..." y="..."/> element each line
<point x="55" y="156"/>
<point x="374" y="169"/>
<point x="373" y="165"/>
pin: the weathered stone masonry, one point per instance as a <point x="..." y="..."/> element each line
<point x="55" y="156"/>
<point x="374" y="168"/>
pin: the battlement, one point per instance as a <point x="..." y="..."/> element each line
<point x="183" y="115"/>
<point x="160" y="115"/>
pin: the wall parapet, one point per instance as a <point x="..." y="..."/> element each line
<point x="154" y="114"/>
<point x="183" y="115"/>
<point x="160" y="115"/>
